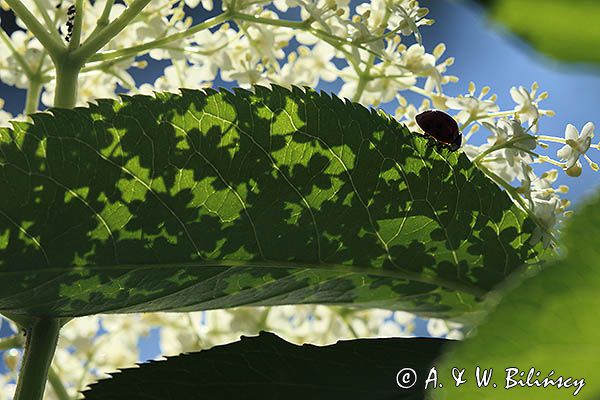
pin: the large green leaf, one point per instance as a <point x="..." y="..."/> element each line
<point x="266" y="367"/>
<point x="549" y="323"/>
<point x="567" y="30"/>
<point x="213" y="200"/>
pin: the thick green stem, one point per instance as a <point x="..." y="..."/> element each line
<point x="33" y="96"/>
<point x="42" y="337"/>
<point x="65" y="95"/>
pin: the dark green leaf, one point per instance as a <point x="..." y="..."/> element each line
<point x="549" y="323"/>
<point x="214" y="200"/>
<point x="267" y="367"/>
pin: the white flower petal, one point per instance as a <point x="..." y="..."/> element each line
<point x="588" y="131"/>
<point x="571" y="132"/>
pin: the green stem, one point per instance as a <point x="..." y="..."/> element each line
<point x="503" y="145"/>
<point x="18" y="56"/>
<point x="42" y="337"/>
<point x="33" y="96"/>
<point x="77" y="25"/>
<point x="54" y="46"/>
<point x="360" y="88"/>
<point x="363" y="79"/>
<point x="47" y="20"/>
<point x="104" y="18"/>
<point x="304" y="26"/>
<point x="350" y="327"/>
<point x="105" y="35"/>
<point x="67" y="74"/>
<point x="269" y="21"/>
<point x="11" y="342"/>
<point x="135" y="50"/>
<point x="551" y="139"/>
<point x="57" y="385"/>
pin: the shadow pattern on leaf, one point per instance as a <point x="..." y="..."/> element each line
<point x="212" y="199"/>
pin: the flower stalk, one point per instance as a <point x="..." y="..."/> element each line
<point x="40" y="345"/>
<point x="33" y="96"/>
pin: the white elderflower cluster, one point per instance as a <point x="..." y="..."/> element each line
<point x="117" y="346"/>
<point x="376" y="52"/>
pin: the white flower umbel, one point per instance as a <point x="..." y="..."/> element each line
<point x="509" y="148"/>
<point x="473" y="108"/>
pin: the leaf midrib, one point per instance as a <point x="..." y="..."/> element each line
<point x="331" y="267"/>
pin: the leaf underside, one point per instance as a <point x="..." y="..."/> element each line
<point x="267" y="367"/>
<point x="213" y="199"/>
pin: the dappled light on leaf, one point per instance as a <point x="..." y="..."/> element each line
<point x="213" y="199"/>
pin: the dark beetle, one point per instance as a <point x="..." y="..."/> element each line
<point x="440" y="127"/>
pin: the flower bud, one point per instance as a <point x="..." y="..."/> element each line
<point x="474" y="128"/>
<point x="472" y="88"/>
<point x="439" y="50"/>
<point x="402" y="101"/>
<point x="574" y="171"/>
<point x="140" y="64"/>
<point x="303" y="51"/>
<point x="422" y="12"/>
<point x="11" y="359"/>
